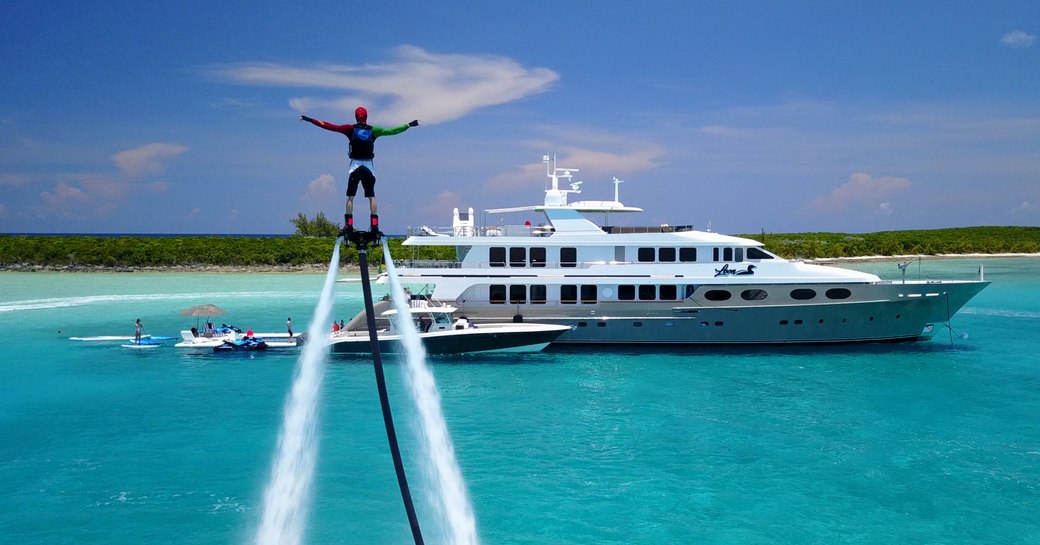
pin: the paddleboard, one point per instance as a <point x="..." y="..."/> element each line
<point x="143" y="344"/>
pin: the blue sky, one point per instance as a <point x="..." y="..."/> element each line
<point x="784" y="116"/>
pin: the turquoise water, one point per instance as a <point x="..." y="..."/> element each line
<point x="935" y="442"/>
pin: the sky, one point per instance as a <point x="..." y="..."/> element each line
<point x="741" y="117"/>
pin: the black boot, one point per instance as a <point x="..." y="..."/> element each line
<point x="374" y="228"/>
<point x="348" y="226"/>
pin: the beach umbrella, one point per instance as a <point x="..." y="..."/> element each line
<point x="203" y="310"/>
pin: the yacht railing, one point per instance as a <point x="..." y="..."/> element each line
<point x="533" y="230"/>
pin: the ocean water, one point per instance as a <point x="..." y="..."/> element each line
<point x="933" y="443"/>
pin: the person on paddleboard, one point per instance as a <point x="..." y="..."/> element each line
<point x="362" y="151"/>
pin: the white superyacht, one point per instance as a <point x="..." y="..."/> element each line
<point x="663" y="285"/>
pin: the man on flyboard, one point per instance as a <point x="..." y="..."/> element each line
<point x="362" y="151"/>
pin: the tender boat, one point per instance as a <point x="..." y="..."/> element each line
<point x="441" y="333"/>
<point x="664" y="284"/>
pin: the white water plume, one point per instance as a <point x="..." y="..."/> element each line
<point x="287" y="496"/>
<point x="449" y="496"/>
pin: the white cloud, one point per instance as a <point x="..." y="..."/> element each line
<point x="415" y="84"/>
<point x="146" y="159"/>
<point x="1018" y="38"/>
<point x="862" y="190"/>
<point x="1024" y="206"/>
<point x="320" y="190"/>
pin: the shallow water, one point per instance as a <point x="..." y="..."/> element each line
<point x="934" y="442"/>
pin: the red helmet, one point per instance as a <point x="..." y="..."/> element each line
<point x="361" y="114"/>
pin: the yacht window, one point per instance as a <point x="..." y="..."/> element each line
<point x="518" y="257"/>
<point x="727" y="254"/>
<point x="626" y="292"/>
<point x="755" y="253"/>
<point x="569" y="294"/>
<point x="537" y="257"/>
<point x="497" y="256"/>
<point x="619" y="254"/>
<point x="646" y="255"/>
<point x="666" y="255"/>
<point x="588" y="294"/>
<point x="517" y="294"/>
<point x="740" y="254"/>
<point x="753" y="295"/>
<point x="668" y="292"/>
<point x="497" y="294"/>
<point x="568" y="257"/>
<point x="838" y="293"/>
<point x="714" y="254"/>
<point x="803" y="294"/>
<point x="687" y="255"/>
<point x="647" y="292"/>
<point x="690" y="288"/>
<point x="538" y="294"/>
<point x="718" y="295"/>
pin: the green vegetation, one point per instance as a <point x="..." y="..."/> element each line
<point x="960" y="240"/>
<point x="195" y="251"/>
<point x="320" y="226"/>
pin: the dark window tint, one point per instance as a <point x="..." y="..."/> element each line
<point x="497" y="294"/>
<point x="497" y="256"/>
<point x="690" y="288"/>
<point x="518" y="294"/>
<point x="717" y="295"/>
<point x="538" y="295"/>
<point x="727" y="254"/>
<point x="647" y="292"/>
<point x="753" y="295"/>
<point x="537" y="257"/>
<point x="646" y="254"/>
<point x="668" y="292"/>
<point x="687" y="254"/>
<point x="588" y="294"/>
<point x="568" y="257"/>
<point x="666" y="255"/>
<point x="755" y="253"/>
<point x="569" y="294"/>
<point x="518" y="257"/>
<point x="803" y="294"/>
<point x="838" y="293"/>
<point x="626" y="292"/>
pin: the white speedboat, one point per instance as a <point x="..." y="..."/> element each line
<point x="664" y="284"/>
<point x="441" y="333"/>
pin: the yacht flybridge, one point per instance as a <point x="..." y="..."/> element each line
<point x="666" y="284"/>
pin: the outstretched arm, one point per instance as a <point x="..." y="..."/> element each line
<point x="327" y="126"/>
<point x="380" y="131"/>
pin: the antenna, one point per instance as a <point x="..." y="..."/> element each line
<point x="617" y="183"/>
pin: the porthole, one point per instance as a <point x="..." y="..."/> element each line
<point x="717" y="295"/>
<point x="601" y="324"/>
<point x="583" y="324"/>
<point x="753" y="295"/>
<point x="783" y="322"/>
<point x="797" y="322"/>
<point x="719" y="324"/>
<point x="803" y="294"/>
<point x="637" y="324"/>
<point x="838" y="293"/>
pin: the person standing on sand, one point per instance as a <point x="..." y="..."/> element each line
<point x="362" y="170"/>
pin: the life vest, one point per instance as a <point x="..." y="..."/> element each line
<point x="362" y="142"/>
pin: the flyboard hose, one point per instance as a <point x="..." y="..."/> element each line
<point x="384" y="400"/>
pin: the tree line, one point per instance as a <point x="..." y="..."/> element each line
<point x="312" y="245"/>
